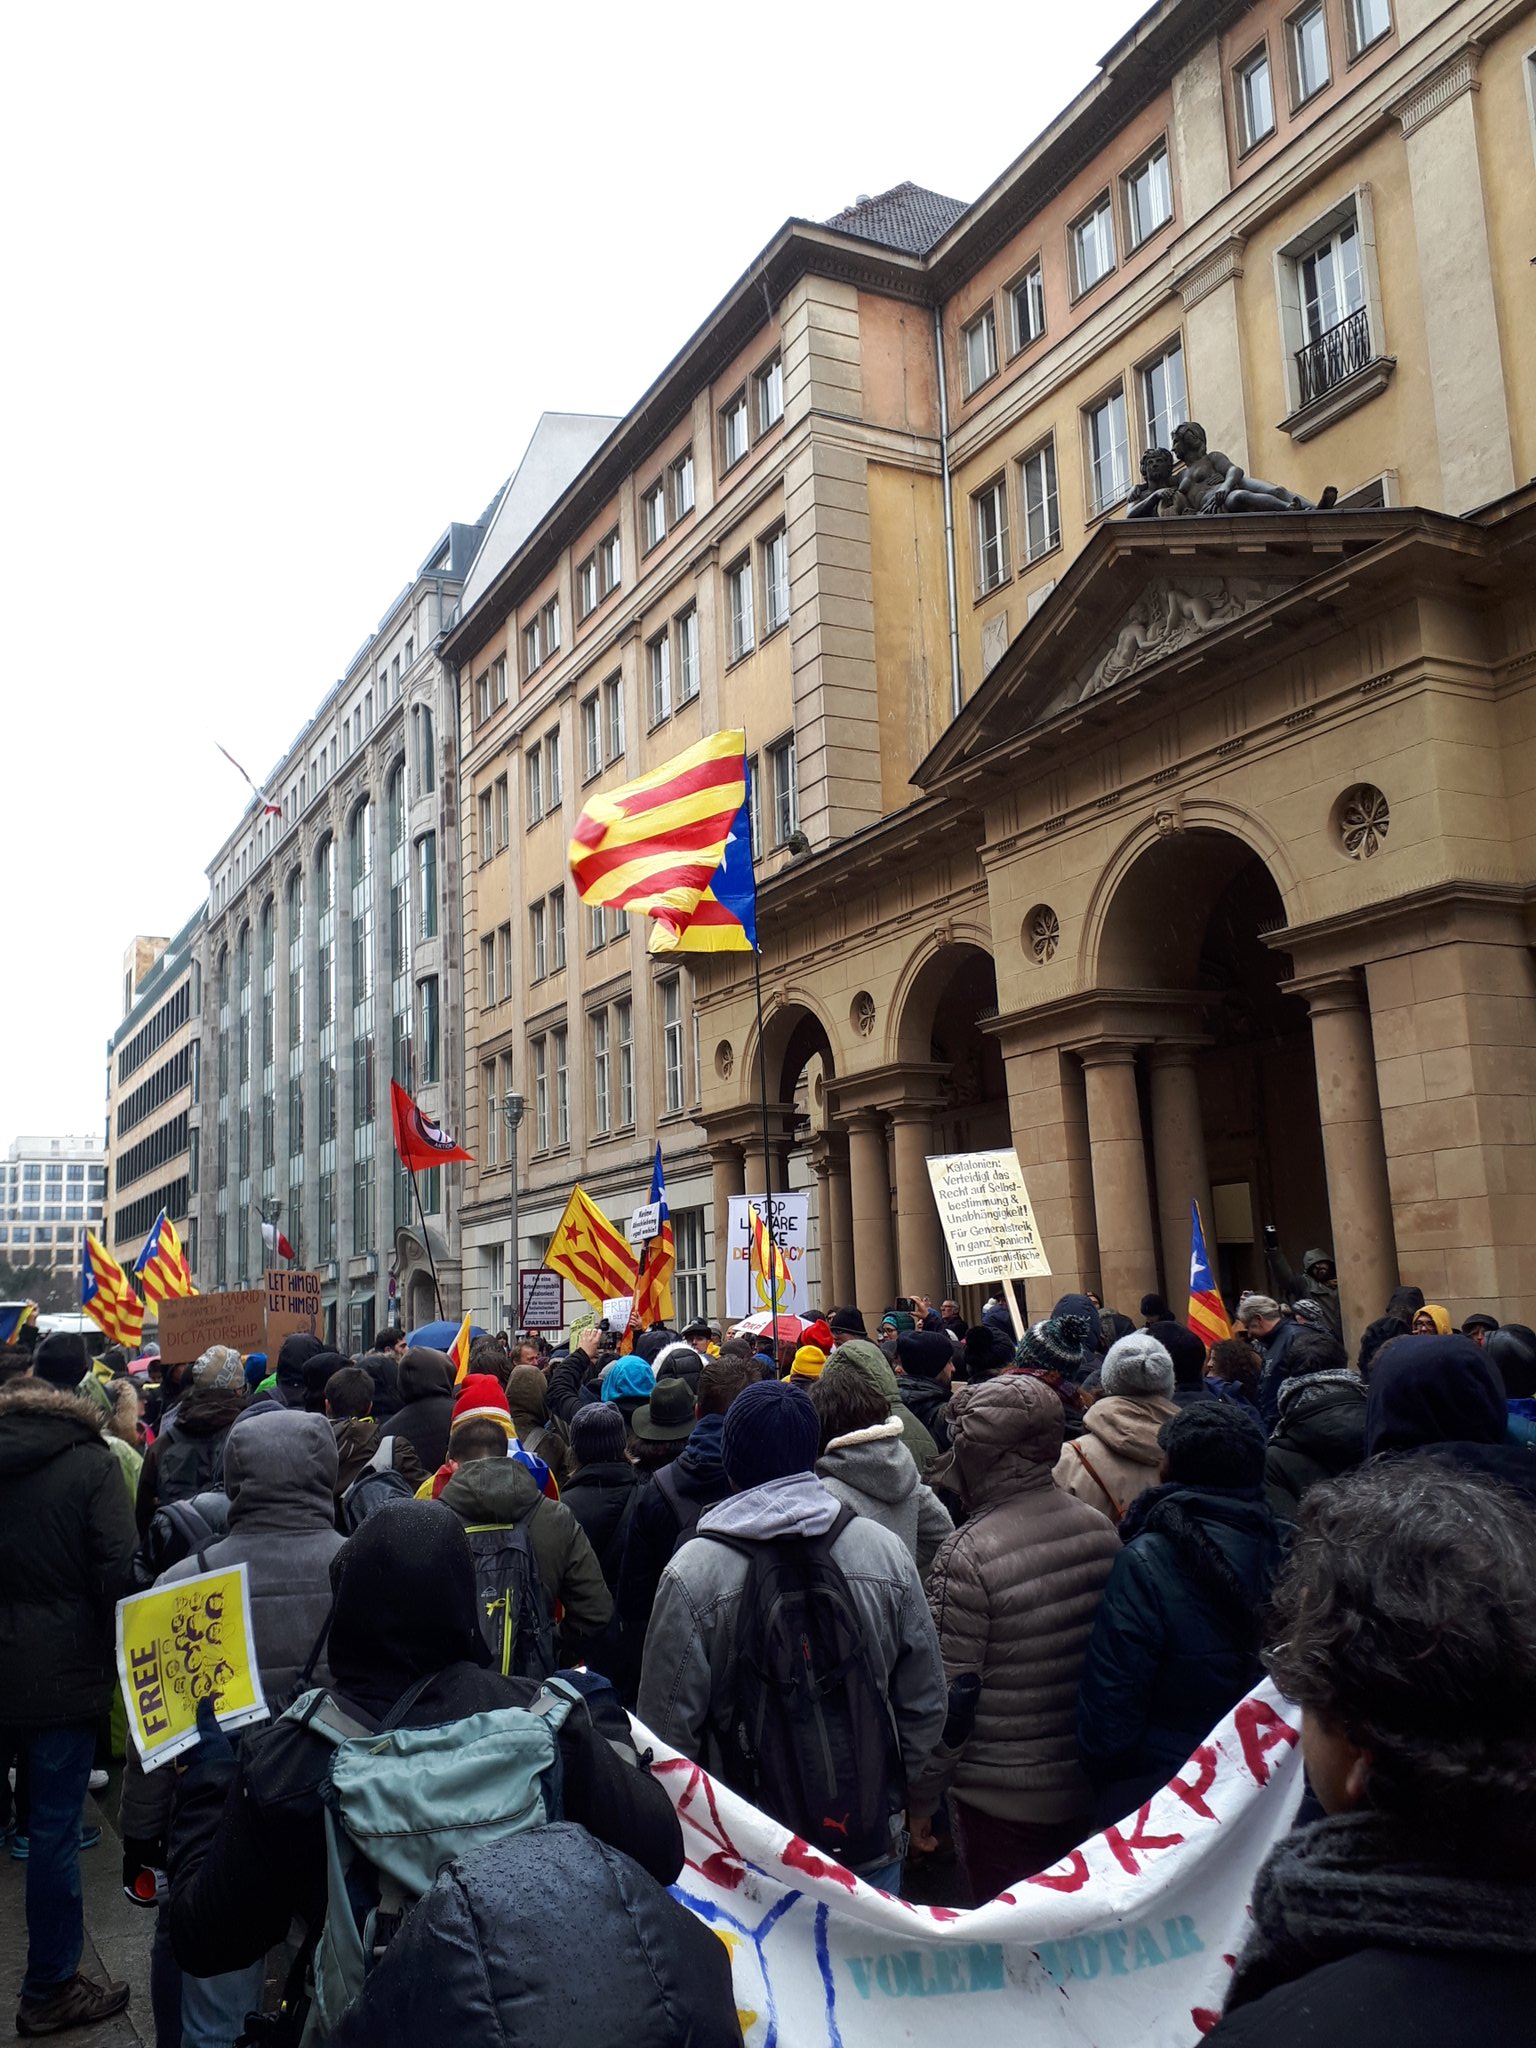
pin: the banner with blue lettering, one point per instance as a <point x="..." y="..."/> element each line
<point x="1131" y="1938"/>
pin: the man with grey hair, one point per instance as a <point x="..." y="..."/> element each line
<point x="1272" y="1332"/>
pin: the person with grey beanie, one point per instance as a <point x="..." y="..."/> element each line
<point x="1118" y="1455"/>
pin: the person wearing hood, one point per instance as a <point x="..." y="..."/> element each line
<point x="668" y="1509"/>
<point x="872" y="1362"/>
<point x="1512" y="1350"/>
<point x="1014" y="1592"/>
<point x="628" y="1382"/>
<point x="55" y="1363"/>
<point x="1444" y="1394"/>
<point x="1404" y="1626"/>
<point x="987" y="1351"/>
<point x="317" y="1371"/>
<point x="1320" y="1433"/>
<point x="248" y="1843"/>
<point x="925" y="1364"/>
<point x="864" y="1462"/>
<point x="280" y="1475"/>
<point x="285" y="1386"/>
<point x="1317" y="1281"/>
<point x="680" y="1359"/>
<point x="1057" y="1351"/>
<point x="1118" y="1454"/>
<point x="425" y="1380"/>
<point x="1432" y="1321"/>
<point x="486" y="1956"/>
<point x="689" y="1678"/>
<point x="66" y="1558"/>
<point x="1175" y="1643"/>
<point x="603" y="1488"/>
<point x="187" y="1457"/>
<point x="1188" y="1353"/>
<point x="527" y="1399"/>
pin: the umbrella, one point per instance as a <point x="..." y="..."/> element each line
<point x="438" y="1336"/>
<point x="790" y="1328"/>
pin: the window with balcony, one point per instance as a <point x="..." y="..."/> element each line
<point x="1164" y="404"/>
<point x="1042" y="512"/>
<point x="1334" y="321"/>
<point x="734" y="430"/>
<point x="979" y="340"/>
<point x="1092" y="241"/>
<point x="1109" y="455"/>
<point x="738" y="597"/>
<point x="1307" y="32"/>
<point x="989" y="513"/>
<point x="1255" y="98"/>
<point x="688" y="654"/>
<point x="1026" y="303"/>
<point x="1148" y="191"/>
<point x="775" y="552"/>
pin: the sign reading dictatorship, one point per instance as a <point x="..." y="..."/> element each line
<point x="541" y="1299"/>
<point x="747" y="1292"/>
<point x="1130" y="1938"/>
<point x="191" y="1322"/>
<point x="182" y="1643"/>
<point x="295" y="1294"/>
<point x="988" y="1222"/>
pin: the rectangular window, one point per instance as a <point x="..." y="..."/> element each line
<point x="755" y="806"/>
<point x="554" y="769"/>
<point x="620" y="922"/>
<point x="1309" y="53"/>
<point x="653" y="514"/>
<point x="672" y="1040"/>
<point x="1369" y="21"/>
<point x="540" y="1052"/>
<point x="602" y="1090"/>
<point x="1148" y="195"/>
<point x="550" y="619"/>
<point x="1332" y="286"/>
<point x="690" y="1278"/>
<point x="498" y="682"/>
<point x="658" y="661"/>
<point x="1093" y="245"/>
<point x="624" y="1036"/>
<point x="733" y="430"/>
<point x="990" y="509"/>
<point x="597" y="927"/>
<point x="770" y="394"/>
<point x="1027" y="301"/>
<point x="562" y="1089"/>
<point x="682" y="484"/>
<point x="1042" y="513"/>
<point x="980" y="339"/>
<point x="688" y="655"/>
<point x="591" y="737"/>
<point x="556" y="929"/>
<point x="608" y="564"/>
<point x="531" y="647"/>
<point x="487" y="828"/>
<point x="738" y="592"/>
<point x="535" y="776"/>
<point x="775" y="580"/>
<point x="786" y="795"/>
<point x="613" y="715"/>
<point x="430" y="1044"/>
<point x="586" y="587"/>
<point x="503" y="812"/>
<point x="1164" y="405"/>
<point x="538" y="963"/>
<point x="487" y="973"/>
<point x="1109" y="458"/>
<point x="1255" y="99"/>
<point x="504" y="959"/>
<point x="426" y="885"/>
<point x="483" y="698"/>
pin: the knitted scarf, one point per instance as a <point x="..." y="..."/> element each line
<point x="1357" y="1880"/>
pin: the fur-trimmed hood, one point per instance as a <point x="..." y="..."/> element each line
<point x="39" y="1422"/>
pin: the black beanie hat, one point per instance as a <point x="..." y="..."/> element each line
<point x="1185" y="1349"/>
<point x="62" y="1360"/>
<point x="847" y="1322"/>
<point x="923" y="1354"/>
<point x="1215" y="1443"/>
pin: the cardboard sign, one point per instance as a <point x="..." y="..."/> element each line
<point x="281" y="1326"/>
<point x="988" y="1222"/>
<point x="189" y="1325"/>
<point x="182" y="1643"/>
<point x="541" y="1299"/>
<point x="1130" y="1938"/>
<point x="746" y="1292"/>
<point x="295" y="1294"/>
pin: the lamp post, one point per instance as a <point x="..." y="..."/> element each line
<point x="512" y="1107"/>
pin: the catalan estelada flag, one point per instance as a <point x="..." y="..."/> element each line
<point x="107" y="1295"/>
<point x="14" y="1317"/>
<point x="768" y="1267"/>
<point x="653" y="1287"/>
<point x="590" y="1253"/>
<point x="458" y="1351"/>
<point x="162" y="1265"/>
<point x="726" y="919"/>
<point x="1206" y="1317"/>
<point x="654" y="846"/>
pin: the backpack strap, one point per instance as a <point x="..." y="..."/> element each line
<point x="665" y="1483"/>
<point x="1116" y="1512"/>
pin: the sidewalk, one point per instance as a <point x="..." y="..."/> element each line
<point x="117" y="1935"/>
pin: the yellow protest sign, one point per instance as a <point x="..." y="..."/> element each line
<point x="182" y="1643"/>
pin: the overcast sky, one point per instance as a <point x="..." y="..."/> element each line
<point x="287" y="289"/>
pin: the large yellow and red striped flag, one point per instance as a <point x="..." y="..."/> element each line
<point x="767" y="1265"/>
<point x="653" y="847"/>
<point x="458" y="1351"/>
<point x="590" y="1253"/>
<point x="162" y="1265"/>
<point x="1207" y="1317"/>
<point x="653" y="1285"/>
<point x="107" y="1295"/>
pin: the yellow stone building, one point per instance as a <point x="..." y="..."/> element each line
<point x="1188" y="855"/>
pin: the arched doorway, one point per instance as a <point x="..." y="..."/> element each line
<point x="1227" y="1090"/>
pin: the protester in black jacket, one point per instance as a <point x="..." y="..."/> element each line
<point x="487" y="1956"/>
<point x="603" y="1491"/>
<point x="1445" y="1394"/>
<point x="574" y="1380"/>
<point x="425" y="1414"/>
<point x="926" y="1362"/>
<point x="1404" y="1624"/>
<point x="1320" y="1433"/>
<point x="187" y="1457"/>
<point x="247" y="1850"/>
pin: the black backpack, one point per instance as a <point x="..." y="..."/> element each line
<point x="370" y="1491"/>
<point x="685" y="1509"/>
<point x="516" y="1620"/>
<point x="811" y="1740"/>
<point x="180" y="1529"/>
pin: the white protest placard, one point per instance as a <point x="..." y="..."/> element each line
<point x="1130" y="1939"/>
<point x="617" y="1312"/>
<point x="540" y="1299"/>
<point x="747" y="1292"/>
<point x="988" y="1222"/>
<point x="644" y="1223"/>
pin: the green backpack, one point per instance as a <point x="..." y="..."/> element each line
<point x="400" y="1803"/>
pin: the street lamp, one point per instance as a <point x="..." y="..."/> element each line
<point x="512" y="1107"/>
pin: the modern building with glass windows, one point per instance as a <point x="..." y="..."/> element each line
<point x="154" y="1080"/>
<point x="51" y="1189"/>
<point x="330" y="967"/>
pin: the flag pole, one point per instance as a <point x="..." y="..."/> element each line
<point x="426" y="1238"/>
<point x="762" y="1075"/>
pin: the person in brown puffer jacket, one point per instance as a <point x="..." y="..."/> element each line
<point x="1013" y="1594"/>
<point x="1118" y="1455"/>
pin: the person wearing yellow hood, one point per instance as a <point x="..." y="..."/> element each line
<point x="872" y="1362"/>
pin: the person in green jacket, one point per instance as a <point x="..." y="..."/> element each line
<point x="871" y="1361"/>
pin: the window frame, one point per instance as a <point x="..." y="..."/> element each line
<point x="1174" y="346"/>
<point x="602" y="1072"/>
<point x="592" y="735"/>
<point x="486" y="824"/>
<point x="554" y="770"/>
<point x="776" y="754"/>
<point x="624" y="1047"/>
<point x="768" y="379"/>
<point x="1034" y="270"/>
<point x="1043" y="448"/>
<point x="549" y="620"/>
<point x="1299" y="97"/>
<point x="610" y="564"/>
<point x="678" y="468"/>
<point x="533" y="777"/>
<point x="1241" y="70"/>
<point x="995" y="490"/>
<point x="653" y="515"/>
<point x="557" y="929"/>
<point x="612" y="688"/>
<point x="982" y="321"/>
<point x="776" y="537"/>
<point x="674" y="1084"/>
<point x="1097" y="507"/>
<point x="560" y="1046"/>
<point x="686" y="626"/>
<point x="1143" y="165"/>
<point x="1102" y="208"/>
<point x="532" y="643"/>
<point x="538" y="941"/>
<point x="741" y="646"/>
<point x="658" y="677"/>
<point x="588" y="596"/>
<point x="735" y="406"/>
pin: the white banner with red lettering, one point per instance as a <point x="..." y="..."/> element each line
<point x="1130" y="1939"/>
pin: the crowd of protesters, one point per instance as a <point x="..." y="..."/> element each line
<point x="1039" y="1566"/>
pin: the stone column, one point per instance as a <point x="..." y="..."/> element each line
<point x="919" y="1238"/>
<point x="874" y="1286"/>
<point x="728" y="1174"/>
<point x="1050" y="1133"/>
<point x="1354" y="1152"/>
<point x="837" y="1232"/>
<point x="1127" y="1265"/>
<point x="1178" y="1152"/>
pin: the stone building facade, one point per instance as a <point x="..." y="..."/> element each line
<point x="330" y="965"/>
<point x="154" y="1077"/>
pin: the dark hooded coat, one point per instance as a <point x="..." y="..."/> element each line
<point x="425" y="1413"/>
